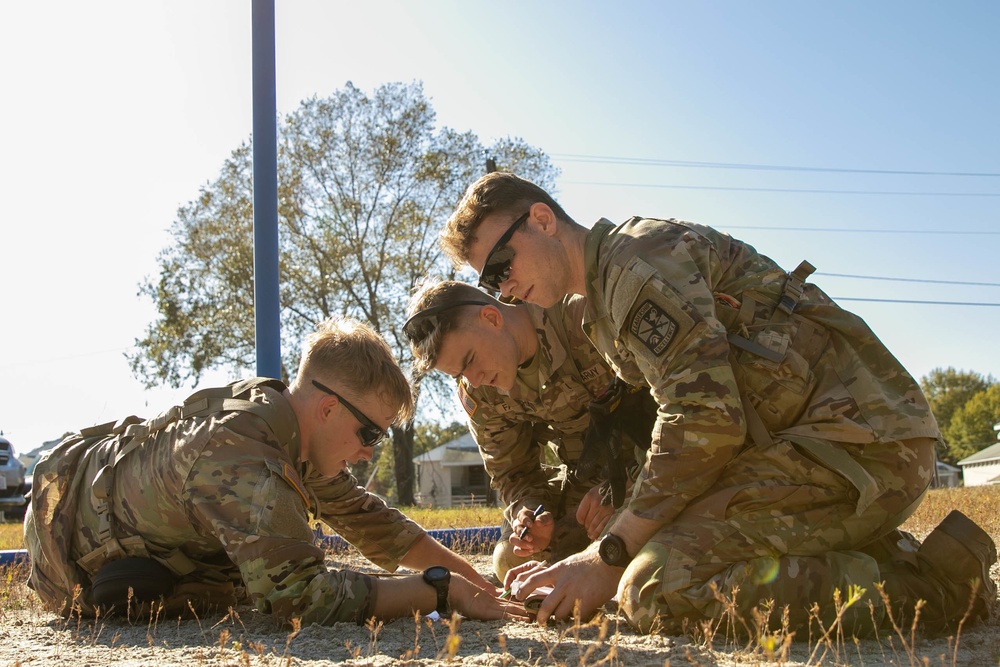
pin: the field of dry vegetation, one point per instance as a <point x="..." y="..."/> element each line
<point x="29" y="636"/>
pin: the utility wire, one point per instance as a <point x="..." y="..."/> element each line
<point x="907" y="280"/>
<point x="604" y="159"/>
<point x="930" y="303"/>
<point x="858" y="231"/>
<point x="607" y="159"/>
<point x="792" y="190"/>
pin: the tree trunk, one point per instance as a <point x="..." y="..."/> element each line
<point x="402" y="455"/>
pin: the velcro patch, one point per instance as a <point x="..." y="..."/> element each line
<point x="288" y="473"/>
<point x="654" y="327"/>
<point x="467" y="401"/>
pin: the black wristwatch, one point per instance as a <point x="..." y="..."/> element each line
<point x="613" y="551"/>
<point x="439" y="577"/>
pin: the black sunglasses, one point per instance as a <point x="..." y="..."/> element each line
<point x="416" y="329"/>
<point x="496" y="268"/>
<point x="370" y="433"/>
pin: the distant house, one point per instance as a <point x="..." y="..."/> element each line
<point x="453" y="475"/>
<point x="983" y="467"/>
<point x="947" y="475"/>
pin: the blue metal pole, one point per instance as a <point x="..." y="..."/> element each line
<point x="265" y="194"/>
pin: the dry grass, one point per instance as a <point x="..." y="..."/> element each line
<point x="455" y="517"/>
<point x="979" y="503"/>
<point x="251" y="639"/>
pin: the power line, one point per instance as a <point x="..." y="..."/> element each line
<point x="929" y="303"/>
<point x="607" y="159"/>
<point x="907" y="280"/>
<point x="786" y="190"/>
<point x="857" y="231"/>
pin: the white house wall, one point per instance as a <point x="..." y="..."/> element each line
<point x="977" y="474"/>
<point x="435" y="484"/>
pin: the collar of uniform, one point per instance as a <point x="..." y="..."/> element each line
<point x="293" y="446"/>
<point x="596" y="308"/>
<point x="528" y="378"/>
<point x="548" y="322"/>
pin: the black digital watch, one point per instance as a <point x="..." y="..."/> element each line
<point x="613" y="551"/>
<point x="439" y="577"/>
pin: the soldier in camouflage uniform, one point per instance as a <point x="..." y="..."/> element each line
<point x="212" y="499"/>
<point x="525" y="376"/>
<point x="790" y="444"/>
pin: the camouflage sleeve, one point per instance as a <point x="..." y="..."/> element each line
<point x="510" y="444"/>
<point x="382" y="533"/>
<point x="259" y="516"/>
<point x="663" y="314"/>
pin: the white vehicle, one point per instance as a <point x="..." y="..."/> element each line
<point x="12" y="489"/>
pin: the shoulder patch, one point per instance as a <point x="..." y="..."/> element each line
<point x="284" y="470"/>
<point x="652" y="326"/>
<point x="467" y="401"/>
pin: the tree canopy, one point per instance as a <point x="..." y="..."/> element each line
<point x="365" y="183"/>
<point x="948" y="391"/>
<point x="971" y="427"/>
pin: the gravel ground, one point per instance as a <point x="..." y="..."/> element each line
<point x="29" y="636"/>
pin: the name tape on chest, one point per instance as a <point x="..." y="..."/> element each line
<point x="592" y="373"/>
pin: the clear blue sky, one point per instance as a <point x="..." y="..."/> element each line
<point x="115" y="113"/>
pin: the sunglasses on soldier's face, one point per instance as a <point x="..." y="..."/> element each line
<point x="370" y="433"/>
<point x="496" y="268"/>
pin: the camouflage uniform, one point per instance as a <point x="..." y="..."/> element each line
<point x="786" y="441"/>
<point x="224" y="503"/>
<point x="547" y="406"/>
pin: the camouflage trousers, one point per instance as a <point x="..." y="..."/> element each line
<point x="779" y="529"/>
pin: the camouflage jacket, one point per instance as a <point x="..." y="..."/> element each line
<point x="547" y="407"/>
<point x="663" y="299"/>
<point x="219" y="497"/>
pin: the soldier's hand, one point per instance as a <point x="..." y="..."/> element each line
<point x="582" y="579"/>
<point x="473" y="602"/>
<point x="538" y="534"/>
<point x="591" y="514"/>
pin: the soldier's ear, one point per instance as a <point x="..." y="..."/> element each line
<point x="543" y="217"/>
<point x="492" y="316"/>
<point x="325" y="407"/>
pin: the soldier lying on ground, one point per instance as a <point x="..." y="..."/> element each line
<point x="525" y="377"/>
<point x="789" y="445"/>
<point x="208" y="505"/>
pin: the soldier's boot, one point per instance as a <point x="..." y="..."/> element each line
<point x="950" y="572"/>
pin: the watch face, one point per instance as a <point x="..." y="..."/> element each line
<point x="437" y="573"/>
<point x="612" y="550"/>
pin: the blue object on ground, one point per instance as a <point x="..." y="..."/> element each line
<point x="449" y="537"/>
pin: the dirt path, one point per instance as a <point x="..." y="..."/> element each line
<point x="31" y="637"/>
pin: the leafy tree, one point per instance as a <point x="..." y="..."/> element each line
<point x="948" y="389"/>
<point x="971" y="427"/>
<point x="364" y="184"/>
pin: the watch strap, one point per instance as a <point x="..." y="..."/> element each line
<point x="440" y="578"/>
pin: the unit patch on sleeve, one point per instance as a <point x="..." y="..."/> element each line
<point x="287" y="473"/>
<point x="654" y="327"/>
<point x="467" y="401"/>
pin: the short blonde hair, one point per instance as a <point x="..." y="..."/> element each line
<point x="354" y="354"/>
<point x="449" y="302"/>
<point x="497" y="192"/>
